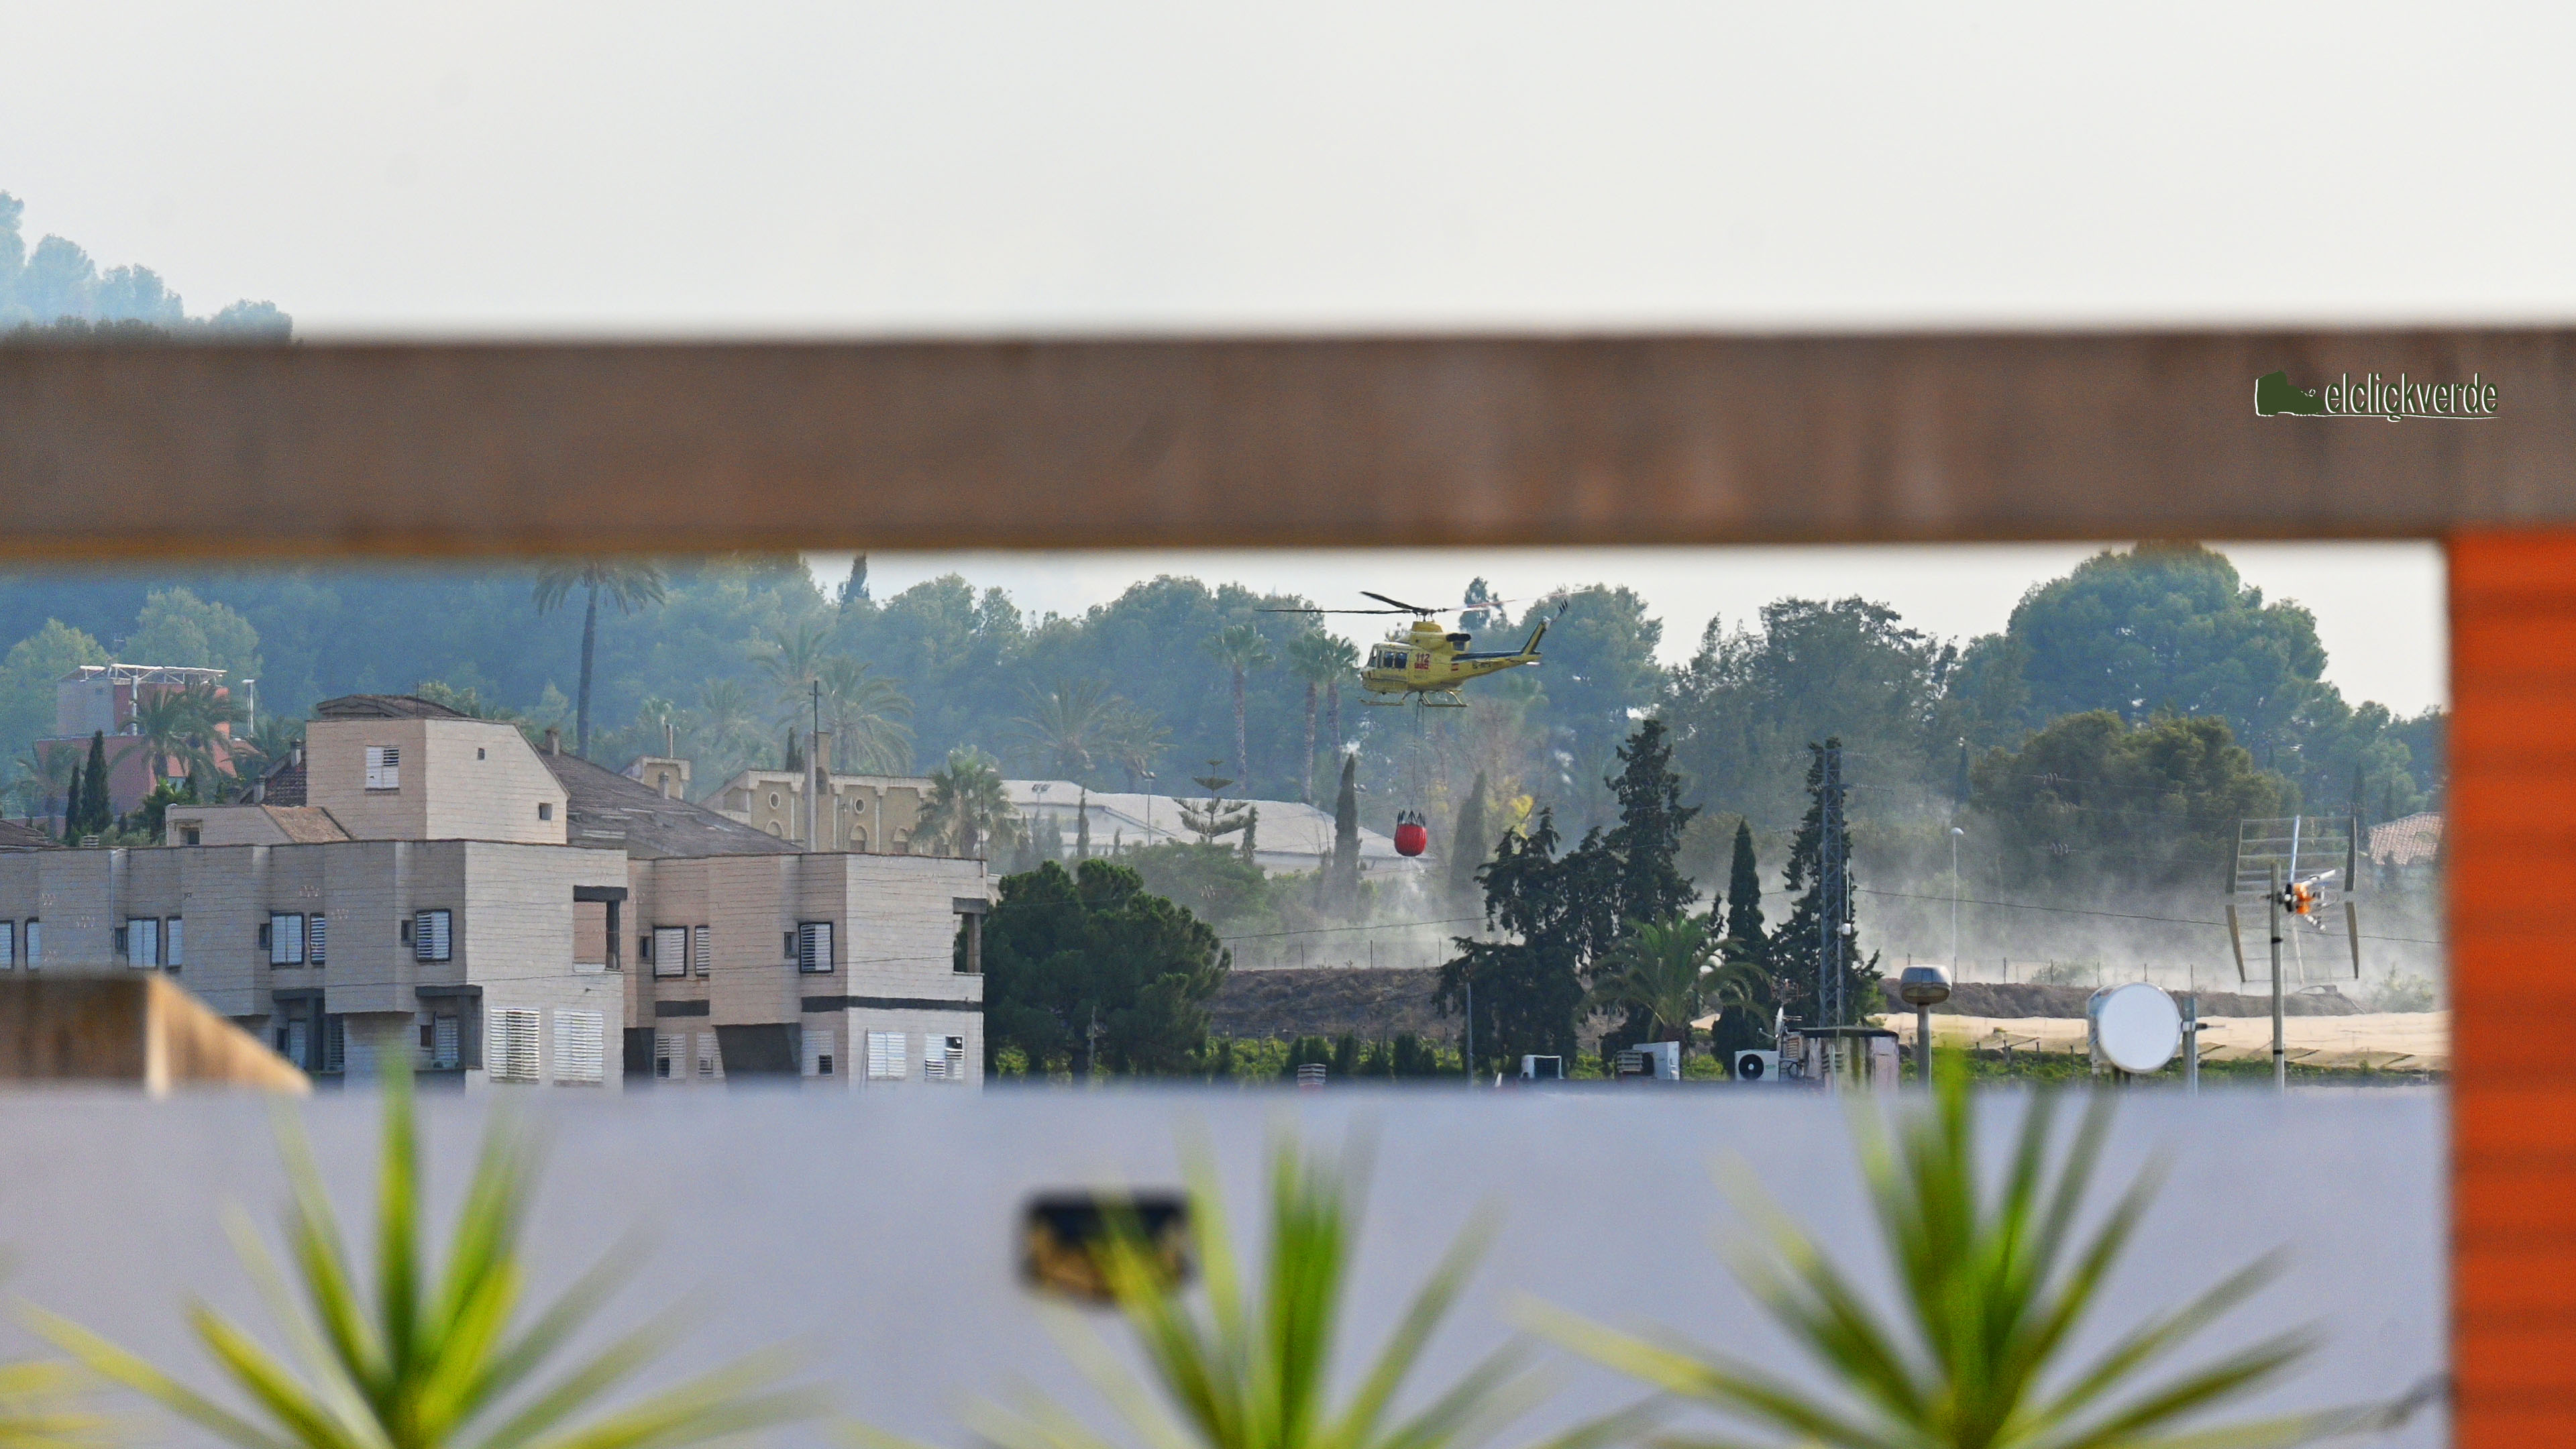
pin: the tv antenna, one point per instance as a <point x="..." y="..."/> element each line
<point x="2297" y="870"/>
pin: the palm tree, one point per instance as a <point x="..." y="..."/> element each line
<point x="182" y="724"/>
<point x="794" y="658"/>
<point x="1661" y="969"/>
<point x="866" y="715"/>
<point x="1134" y="741"/>
<point x="967" y="806"/>
<point x="628" y="584"/>
<point x="729" y="732"/>
<point x="1067" y="726"/>
<point x="44" y="780"/>
<point x="1241" y="649"/>
<point x="1318" y="660"/>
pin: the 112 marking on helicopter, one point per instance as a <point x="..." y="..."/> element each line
<point x="1427" y="663"/>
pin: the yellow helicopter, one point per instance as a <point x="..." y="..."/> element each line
<point x="1427" y="663"/>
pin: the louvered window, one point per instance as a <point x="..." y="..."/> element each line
<point x="710" y="1056"/>
<point x="700" y="953"/>
<point x="430" y="935"/>
<point x="580" y="1042"/>
<point x="335" y="1044"/>
<point x="819" y="1056"/>
<point x="669" y="1047"/>
<point x="813" y="946"/>
<point x="313" y="939"/>
<point x="143" y="943"/>
<point x="285" y="940"/>
<point x="511" y="1046"/>
<point x="446" y="1043"/>
<point x="171" y="936"/>
<point x="35" y="943"/>
<point x="8" y="945"/>
<point x="943" y="1058"/>
<point x="885" y="1056"/>
<point x="384" y="767"/>
<point x="670" y="950"/>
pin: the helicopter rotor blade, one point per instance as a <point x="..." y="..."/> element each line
<point x="1328" y="611"/>
<point x="1401" y="604"/>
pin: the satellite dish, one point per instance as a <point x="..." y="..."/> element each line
<point x="2136" y="1027"/>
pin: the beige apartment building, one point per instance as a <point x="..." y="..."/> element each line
<point x="419" y="881"/>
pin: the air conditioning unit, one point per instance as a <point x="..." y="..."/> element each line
<point x="1542" y="1069"/>
<point x="1752" y="1066"/>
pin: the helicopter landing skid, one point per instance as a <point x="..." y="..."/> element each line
<point x="1443" y="701"/>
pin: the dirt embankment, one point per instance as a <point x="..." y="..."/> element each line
<point x="2007" y="999"/>
<point x="1371" y="1004"/>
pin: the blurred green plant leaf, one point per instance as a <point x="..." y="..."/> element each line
<point x="423" y="1359"/>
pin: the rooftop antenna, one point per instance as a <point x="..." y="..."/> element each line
<point x="2301" y="868"/>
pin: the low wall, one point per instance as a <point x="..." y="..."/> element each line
<point x="878" y="1229"/>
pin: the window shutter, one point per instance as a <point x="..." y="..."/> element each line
<point x="700" y="954"/>
<point x="814" y="946"/>
<point x="143" y="943"/>
<point x="818" y="1051"/>
<point x="313" y="935"/>
<point x="667" y="1048"/>
<point x="295" y="1043"/>
<point x="335" y="1044"/>
<point x="171" y="938"/>
<point x="429" y="935"/>
<point x="285" y="939"/>
<point x="445" y="1042"/>
<point x="384" y="767"/>
<point x="35" y="943"/>
<point x="710" y="1056"/>
<point x="8" y="945"/>
<point x="512" y="1051"/>
<point x="670" y="950"/>
<point x="580" y="1053"/>
<point x="885" y="1056"/>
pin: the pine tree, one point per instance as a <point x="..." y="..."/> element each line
<point x="1745" y="940"/>
<point x="1647" y="841"/>
<point x="1796" y="947"/>
<point x="1343" y="887"/>
<point x="1467" y="843"/>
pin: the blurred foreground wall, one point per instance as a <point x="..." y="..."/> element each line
<point x="879" y="1230"/>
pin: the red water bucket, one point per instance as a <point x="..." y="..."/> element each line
<point x="1411" y="838"/>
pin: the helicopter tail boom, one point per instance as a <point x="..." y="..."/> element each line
<point x="1530" y="650"/>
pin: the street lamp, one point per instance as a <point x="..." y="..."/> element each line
<point x="1148" y="777"/>
<point x="1923" y="987"/>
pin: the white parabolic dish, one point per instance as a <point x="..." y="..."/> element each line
<point x="2137" y="1026"/>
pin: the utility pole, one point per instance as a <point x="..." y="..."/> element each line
<point x="2280" y="1051"/>
<point x="814" y="775"/>
<point x="1467" y="1059"/>
<point x="1955" y="833"/>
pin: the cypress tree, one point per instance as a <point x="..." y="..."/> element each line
<point x="1468" y="844"/>
<point x="1794" y="948"/>
<point x="73" y="799"/>
<point x="1745" y="938"/>
<point x="1647" y="841"/>
<point x="97" y="811"/>
<point x="1082" y="827"/>
<point x="1251" y="827"/>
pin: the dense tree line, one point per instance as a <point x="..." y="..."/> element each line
<point x="55" y="292"/>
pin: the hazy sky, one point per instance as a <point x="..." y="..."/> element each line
<point x="2378" y="606"/>
<point x="1146" y="165"/>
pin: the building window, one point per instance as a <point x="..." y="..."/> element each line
<point x="478" y="752"/>
<point x="701" y="954"/>
<point x="285" y="939"/>
<point x="445" y="1040"/>
<point x="580" y="1050"/>
<point x="670" y="950"/>
<point x="669" y="1047"/>
<point x="35" y="943"/>
<point x="814" y="947"/>
<point x="143" y="943"/>
<point x="710" y="1057"/>
<point x="885" y="1056"/>
<point x="545" y="810"/>
<point x="291" y="1042"/>
<point x="773" y="799"/>
<point x="8" y="945"/>
<point x="430" y="937"/>
<point x="191" y="835"/>
<point x="313" y="933"/>
<point x="171" y="954"/>
<point x="818" y="1052"/>
<point x="384" y="767"/>
<point x="943" y="1058"/>
<point x="512" y="1048"/>
<point x="335" y="1044"/>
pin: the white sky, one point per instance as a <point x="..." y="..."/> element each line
<point x="865" y="168"/>
<point x="2379" y="606"/>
